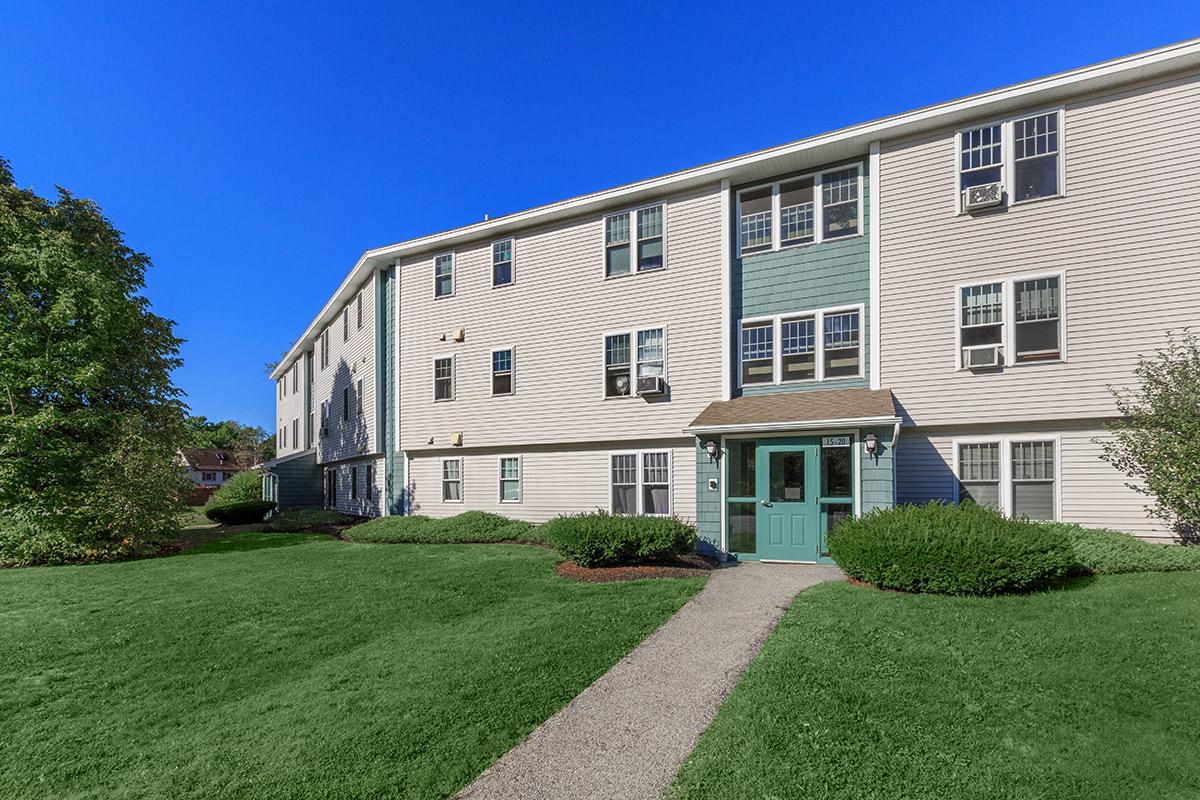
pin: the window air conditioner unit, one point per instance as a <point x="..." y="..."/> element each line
<point x="985" y="195"/>
<point x="652" y="384"/>
<point x="982" y="356"/>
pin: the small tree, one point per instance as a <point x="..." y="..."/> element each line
<point x="1156" y="438"/>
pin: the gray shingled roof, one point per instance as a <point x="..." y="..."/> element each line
<point x="781" y="408"/>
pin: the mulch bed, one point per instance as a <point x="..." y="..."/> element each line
<point x="690" y="566"/>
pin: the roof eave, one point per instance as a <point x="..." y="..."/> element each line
<point x="792" y="425"/>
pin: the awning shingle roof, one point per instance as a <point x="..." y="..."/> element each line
<point x="783" y="408"/>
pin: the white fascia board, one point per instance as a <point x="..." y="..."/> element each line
<point x="798" y="425"/>
<point x="785" y="158"/>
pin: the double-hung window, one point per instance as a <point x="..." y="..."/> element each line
<point x="295" y="432"/>
<point x="279" y="384"/>
<point x="283" y="437"/>
<point x="635" y="240"/>
<point x="510" y="479"/>
<point x="324" y="417"/>
<point x="345" y="403"/>
<point x="359" y="397"/>
<point x="502" y="262"/>
<point x="346" y="324"/>
<point x="354" y="483"/>
<point x="825" y="344"/>
<point x="295" y="377"/>
<point x="979" y="473"/>
<point x="802" y="210"/>
<point x="502" y="371"/>
<point x="1023" y="155"/>
<point x="1033" y="478"/>
<point x="443" y="275"/>
<point x="452" y="480"/>
<point x="358" y="307"/>
<point x="640" y="483"/>
<point x="1017" y="476"/>
<point x="623" y="364"/>
<point x="325" y="348"/>
<point x="992" y="331"/>
<point x="369" y="482"/>
<point x="443" y="378"/>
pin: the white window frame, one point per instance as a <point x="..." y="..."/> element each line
<point x="1006" y="482"/>
<point x="369" y="483"/>
<point x="453" y="378"/>
<point x="512" y="371"/>
<point x="818" y="211"/>
<point x="453" y="275"/>
<point x="500" y="480"/>
<point x="358" y="301"/>
<point x="295" y="376"/>
<point x="296" y="432"/>
<point x="346" y="323"/>
<point x="512" y="262"/>
<point x="358" y="397"/>
<point x="1008" y="326"/>
<point x="353" y="481"/>
<point x="325" y="348"/>
<point x="633" y="241"/>
<point x="1008" y="164"/>
<point x="640" y="484"/>
<point x="462" y="482"/>
<point x="818" y="315"/>
<point x="632" y="333"/>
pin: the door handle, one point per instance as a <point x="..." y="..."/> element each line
<point x="766" y="503"/>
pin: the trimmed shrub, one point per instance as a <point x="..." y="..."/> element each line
<point x="947" y="549"/>
<point x="468" y="527"/>
<point x="243" y="513"/>
<point x="244" y="487"/>
<point x="1104" y="551"/>
<point x="600" y="539"/>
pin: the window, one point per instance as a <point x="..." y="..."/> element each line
<point x="359" y="397"/>
<point x="1017" y="476"/>
<point x="279" y="389"/>
<point x="1030" y="331"/>
<point x="452" y="480"/>
<point x="296" y="377"/>
<point x="502" y="372"/>
<point x="786" y="213"/>
<point x="1034" y="169"/>
<point x="346" y="324"/>
<point x="443" y="275"/>
<point x="354" y="483"/>
<point x="295" y="432"/>
<point x="324" y="417"/>
<point x="208" y="476"/>
<point x="345" y="404"/>
<point x="325" y="348"/>
<point x="510" y="480"/>
<point x="283" y="437"/>
<point x="619" y="366"/>
<point x="502" y="263"/>
<point x="649" y="238"/>
<point x="369" y="483"/>
<point x="640" y="483"/>
<point x="331" y="488"/>
<point x="358" y="307"/>
<point x="802" y="355"/>
<point x="443" y="379"/>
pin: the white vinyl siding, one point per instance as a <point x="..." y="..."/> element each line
<point x="343" y="395"/>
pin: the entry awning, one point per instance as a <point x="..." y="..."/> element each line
<point x="788" y="411"/>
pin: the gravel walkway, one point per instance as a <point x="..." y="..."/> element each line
<point x="627" y="734"/>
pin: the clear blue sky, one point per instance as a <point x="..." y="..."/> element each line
<point x="254" y="151"/>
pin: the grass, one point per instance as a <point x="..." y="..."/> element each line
<point x="468" y="527"/>
<point x="1107" y="552"/>
<point x="274" y="666"/>
<point x="1086" y="692"/>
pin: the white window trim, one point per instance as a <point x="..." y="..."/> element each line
<point x="462" y="481"/>
<point x="512" y="372"/>
<point x="453" y="378"/>
<point x="633" y="360"/>
<point x="818" y="211"/>
<point x="453" y="275"/>
<point x="500" y="480"/>
<point x="818" y="316"/>
<point x="512" y="253"/>
<point x="640" y="484"/>
<point x="359" y="395"/>
<point x="1008" y="325"/>
<point x="1006" y="482"/>
<point x="1008" y="170"/>
<point x="633" y="240"/>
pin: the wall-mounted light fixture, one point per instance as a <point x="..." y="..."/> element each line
<point x="710" y="447"/>
<point x="871" y="443"/>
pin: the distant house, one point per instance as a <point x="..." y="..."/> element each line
<point x="209" y="467"/>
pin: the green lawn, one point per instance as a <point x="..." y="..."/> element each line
<point x="1088" y="693"/>
<point x="271" y="666"/>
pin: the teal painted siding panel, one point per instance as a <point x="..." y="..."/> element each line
<point x="834" y="273"/>
<point x="299" y="482"/>
<point x="878" y="473"/>
<point x="394" y="461"/>
<point x="708" y="502"/>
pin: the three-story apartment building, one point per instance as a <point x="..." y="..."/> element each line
<point x="928" y="306"/>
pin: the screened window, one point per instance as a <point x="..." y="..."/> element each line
<point x="1035" y="157"/>
<point x="1033" y="477"/>
<point x="443" y="379"/>
<point x="502" y="371"/>
<point x="1023" y="155"/>
<point x="443" y="275"/>
<point x="650" y="353"/>
<point x="640" y="483"/>
<point x="354" y="483"/>
<point x="623" y="363"/>
<point x="502" y="263"/>
<point x="452" y="480"/>
<point x="981" y="156"/>
<point x="650" y="238"/>
<point x="617" y="365"/>
<point x="359" y="397"/>
<point x="656" y="483"/>
<point x="839" y="203"/>
<point x="510" y="480"/>
<point x="755" y="224"/>
<point x="624" y="483"/>
<point x="1036" y="313"/>
<point x="798" y="344"/>
<point x="616" y="244"/>
<point x="979" y="473"/>
<point x="842" y="345"/>
<point x="981" y="323"/>
<point x="796" y="212"/>
<point x="758" y="353"/>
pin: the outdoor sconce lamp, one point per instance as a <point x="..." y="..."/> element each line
<point x="710" y="447"/>
<point x="871" y="443"/>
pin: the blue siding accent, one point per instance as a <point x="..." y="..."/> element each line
<point x="708" y="502"/>
<point x="833" y="273"/>
<point x="299" y="481"/>
<point x="394" y="491"/>
<point x="878" y="473"/>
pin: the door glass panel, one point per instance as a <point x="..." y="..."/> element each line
<point x="741" y="527"/>
<point x="834" y="514"/>
<point x="787" y="477"/>
<point x="741" y="469"/>
<point x="835" y="472"/>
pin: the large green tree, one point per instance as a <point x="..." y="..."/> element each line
<point x="246" y="440"/>
<point x="90" y="421"/>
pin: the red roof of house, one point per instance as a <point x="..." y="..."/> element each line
<point x="211" y="459"/>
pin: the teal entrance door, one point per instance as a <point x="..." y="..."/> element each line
<point x="787" y="486"/>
